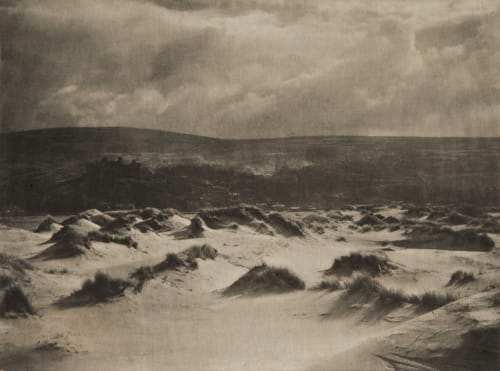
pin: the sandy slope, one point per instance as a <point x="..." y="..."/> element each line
<point x="180" y="321"/>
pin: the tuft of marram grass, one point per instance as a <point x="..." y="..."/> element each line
<point x="15" y="301"/>
<point x="185" y="259"/>
<point x="432" y="300"/>
<point x="331" y="284"/>
<point x="141" y="275"/>
<point x="264" y="279"/>
<point x="355" y="262"/>
<point x="461" y="278"/>
<point x="15" y="263"/>
<point x="366" y="288"/>
<point x="5" y="281"/>
<point x="110" y="237"/>
<point x="495" y="301"/>
<point x="101" y="289"/>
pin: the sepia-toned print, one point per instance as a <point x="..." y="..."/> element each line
<point x="275" y="185"/>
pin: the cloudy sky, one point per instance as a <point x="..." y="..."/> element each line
<point x="253" y="68"/>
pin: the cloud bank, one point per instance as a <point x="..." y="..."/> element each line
<point x="253" y="68"/>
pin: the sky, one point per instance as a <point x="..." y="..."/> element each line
<point x="253" y="68"/>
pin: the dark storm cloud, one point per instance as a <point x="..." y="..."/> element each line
<point x="447" y="34"/>
<point x="250" y="68"/>
<point x="285" y="10"/>
<point x="184" y="5"/>
<point x="36" y="59"/>
<point x="181" y="52"/>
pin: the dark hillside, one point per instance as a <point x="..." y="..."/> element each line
<point x="48" y="170"/>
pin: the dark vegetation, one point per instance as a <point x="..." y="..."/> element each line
<point x="15" y="302"/>
<point x="202" y="252"/>
<point x="196" y="227"/>
<point x="183" y="260"/>
<point x="370" y="220"/>
<point x="57" y="271"/>
<point x="186" y="258"/>
<point x="5" y="280"/>
<point x="101" y="289"/>
<point x="355" y="262"/>
<point x="437" y="237"/>
<point x="109" y="237"/>
<point x="12" y="274"/>
<point x="231" y="217"/>
<point x="330" y="285"/>
<point x="365" y="289"/>
<point x="461" y="278"/>
<point x="496" y="300"/>
<point x="140" y="276"/>
<point x="433" y="300"/>
<point x="59" y="170"/>
<point x="120" y="224"/>
<point x="173" y="262"/>
<point x="263" y="279"/>
<point x="11" y="262"/>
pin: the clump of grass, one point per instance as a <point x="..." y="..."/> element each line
<point x="101" y="289"/>
<point x="171" y="262"/>
<point x="432" y="300"/>
<point x="495" y="301"/>
<point x="187" y="258"/>
<point x="57" y="271"/>
<point x="16" y="302"/>
<point x="263" y="279"/>
<point x="330" y="285"/>
<point x="196" y="227"/>
<point x="19" y="265"/>
<point x="370" y="220"/>
<point x="437" y="237"/>
<point x="109" y="237"/>
<point x="355" y="262"/>
<point x="203" y="252"/>
<point x="365" y="288"/>
<point x="141" y="276"/>
<point x="5" y="281"/>
<point x="461" y="278"/>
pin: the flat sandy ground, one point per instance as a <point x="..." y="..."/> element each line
<point x="182" y="321"/>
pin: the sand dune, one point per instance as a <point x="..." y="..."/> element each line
<point x="241" y="298"/>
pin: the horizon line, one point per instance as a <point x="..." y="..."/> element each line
<point x="13" y="132"/>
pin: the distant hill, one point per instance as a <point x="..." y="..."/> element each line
<point x="39" y="167"/>
<point x="95" y="142"/>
